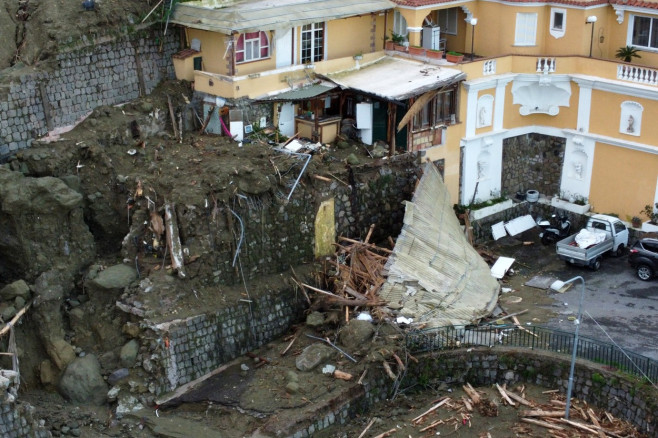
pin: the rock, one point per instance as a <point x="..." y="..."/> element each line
<point x="16" y="289"/>
<point x="112" y="394"/>
<point x="109" y="361"/>
<point x="19" y="302"/>
<point x="379" y="152"/>
<point x="118" y="375"/>
<point x="47" y="373"/>
<point x="356" y="334"/>
<point x="313" y="355"/>
<point x="127" y="404"/>
<point x="130" y="329"/>
<point x="8" y="313"/>
<point x="128" y="353"/>
<point x="315" y="319"/>
<point x="61" y="352"/>
<point x="115" y="277"/>
<point x="353" y="160"/>
<point x="82" y="382"/>
<point x="292" y="387"/>
<point x="343" y="145"/>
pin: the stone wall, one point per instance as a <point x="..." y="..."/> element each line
<point x="17" y="420"/>
<point x="532" y="162"/>
<point x="106" y="73"/>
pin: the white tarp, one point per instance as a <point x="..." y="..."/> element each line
<point x="434" y="275"/>
<point x="586" y="238"/>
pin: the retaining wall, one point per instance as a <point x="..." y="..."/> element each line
<point x="17" y="420"/>
<point x="105" y="73"/>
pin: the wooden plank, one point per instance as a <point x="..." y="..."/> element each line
<point x="545" y="424"/>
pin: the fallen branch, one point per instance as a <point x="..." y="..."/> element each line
<point x="430" y="410"/>
<point x="173" y="240"/>
<point x="342" y="375"/>
<point x="367" y="427"/>
<point x="518" y="398"/>
<point x="283" y="353"/>
<point x="436" y="423"/>
<point x="542" y="423"/>
<point x="541" y="413"/>
<point x="472" y="393"/>
<point x="387" y="433"/>
<point x="13" y="321"/>
<point x="389" y="371"/>
<point x="579" y="426"/>
<point x="503" y="393"/>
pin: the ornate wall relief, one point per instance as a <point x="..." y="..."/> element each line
<point x="630" y="121"/>
<point x="484" y="110"/>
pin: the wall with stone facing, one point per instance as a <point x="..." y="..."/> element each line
<point x="105" y="73"/>
<point x="17" y="420"/>
<point x="532" y="162"/>
<point x="622" y="396"/>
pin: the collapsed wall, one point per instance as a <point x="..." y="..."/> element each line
<point x="17" y="420"/>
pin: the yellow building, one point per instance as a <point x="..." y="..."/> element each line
<point x="539" y="102"/>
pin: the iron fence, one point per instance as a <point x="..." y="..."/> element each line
<point x="533" y="338"/>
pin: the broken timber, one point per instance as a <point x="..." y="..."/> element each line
<point x="173" y="240"/>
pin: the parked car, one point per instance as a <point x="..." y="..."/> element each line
<point x="643" y="257"/>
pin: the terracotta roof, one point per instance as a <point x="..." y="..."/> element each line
<point x="636" y="3"/>
<point x="646" y="4"/>
<point x="185" y="53"/>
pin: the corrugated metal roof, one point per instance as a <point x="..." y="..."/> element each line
<point x="252" y="15"/>
<point x="393" y="78"/>
<point x="301" y="93"/>
<point x="434" y="275"/>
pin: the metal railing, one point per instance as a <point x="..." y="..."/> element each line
<point x="533" y="338"/>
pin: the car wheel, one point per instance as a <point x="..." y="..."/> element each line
<point x="596" y="264"/>
<point x="620" y="251"/>
<point x="644" y="272"/>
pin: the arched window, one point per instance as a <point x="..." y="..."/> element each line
<point x="252" y="46"/>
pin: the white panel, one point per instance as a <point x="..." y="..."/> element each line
<point x="287" y="119"/>
<point x="366" y="136"/>
<point x="283" y="48"/>
<point x="364" y="116"/>
<point x="237" y="130"/>
<point x="213" y="126"/>
<point x="498" y="230"/>
<point x="499" y="269"/>
<point x="519" y="225"/>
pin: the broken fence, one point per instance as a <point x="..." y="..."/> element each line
<point x="533" y="338"/>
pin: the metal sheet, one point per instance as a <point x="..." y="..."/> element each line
<point x="502" y="265"/>
<point x="519" y="225"/>
<point x="254" y="15"/>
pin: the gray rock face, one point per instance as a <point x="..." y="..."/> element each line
<point x="356" y="334"/>
<point x="114" y="277"/>
<point x="128" y="353"/>
<point x="315" y="319"/>
<point x="312" y="356"/>
<point x="16" y="289"/>
<point x="82" y="382"/>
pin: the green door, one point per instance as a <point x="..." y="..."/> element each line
<point x="379" y="118"/>
<point x="400" y="137"/>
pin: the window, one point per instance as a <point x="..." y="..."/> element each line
<point x="619" y="227"/>
<point x="526" y="29"/>
<point x="558" y="22"/>
<point x="448" y="20"/>
<point x="252" y="46"/>
<point x="312" y="43"/>
<point x="644" y="32"/>
<point x="437" y="111"/>
<point x="399" y="24"/>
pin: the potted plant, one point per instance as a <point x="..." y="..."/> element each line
<point x="434" y="54"/>
<point x="627" y="53"/>
<point x="358" y="56"/>
<point x="388" y="43"/>
<point x="454" y="56"/>
<point x="417" y="50"/>
<point x="636" y="222"/>
<point x="398" y="42"/>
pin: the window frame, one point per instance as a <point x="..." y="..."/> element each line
<point x="653" y="30"/>
<point x="243" y="41"/>
<point x="448" y="23"/>
<point x="400" y="24"/>
<point x="437" y="111"/>
<point x="526" y="22"/>
<point x="558" y="32"/>
<point x="317" y="32"/>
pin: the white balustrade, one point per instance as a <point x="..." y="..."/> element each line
<point x="545" y="65"/>
<point x="641" y="75"/>
<point x="489" y="67"/>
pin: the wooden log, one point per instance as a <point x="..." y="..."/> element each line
<point x="542" y="413"/>
<point x="594" y="419"/>
<point x="578" y="426"/>
<point x="433" y="425"/>
<point x="367" y="427"/>
<point x="472" y="393"/>
<point x="173" y="240"/>
<point x="294" y="338"/>
<point x="173" y="117"/>
<point x="16" y="317"/>
<point x="503" y="393"/>
<point x="518" y="398"/>
<point x="207" y="120"/>
<point x="321" y="178"/>
<point x="430" y="410"/>
<point x="389" y="371"/>
<point x="387" y="433"/>
<point x="467" y="404"/>
<point x="542" y="423"/>
<point x="342" y="375"/>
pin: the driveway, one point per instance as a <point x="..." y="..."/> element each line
<point x="617" y="307"/>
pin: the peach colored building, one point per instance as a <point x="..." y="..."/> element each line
<point x="535" y="74"/>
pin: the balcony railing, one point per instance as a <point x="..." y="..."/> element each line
<point x="545" y="65"/>
<point x="489" y="67"/>
<point x="641" y="75"/>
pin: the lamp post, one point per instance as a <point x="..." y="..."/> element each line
<point x="473" y="22"/>
<point x="591" y="20"/>
<point x="557" y="285"/>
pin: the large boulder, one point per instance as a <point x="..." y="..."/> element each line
<point x="16" y="289"/>
<point x="313" y="355"/>
<point x="356" y="334"/>
<point x="128" y="353"/>
<point x="83" y="383"/>
<point x="105" y="286"/>
<point x="43" y="226"/>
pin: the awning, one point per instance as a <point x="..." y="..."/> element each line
<point x="248" y="16"/>
<point x="302" y="93"/>
<point x="396" y="79"/>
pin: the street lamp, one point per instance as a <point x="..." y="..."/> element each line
<point x="473" y="22"/>
<point x="556" y="286"/>
<point x="591" y="20"/>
